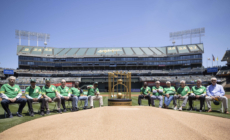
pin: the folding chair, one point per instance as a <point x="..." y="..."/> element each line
<point x="221" y="109"/>
<point x="172" y="106"/>
<point x="38" y="109"/>
<point x="69" y="106"/>
<point x="197" y="106"/>
<point x="54" y="106"/>
<point x="10" y="104"/>
<point x="179" y="100"/>
<point x="147" y="100"/>
<point x="93" y="102"/>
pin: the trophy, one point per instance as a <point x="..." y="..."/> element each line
<point x="119" y="84"/>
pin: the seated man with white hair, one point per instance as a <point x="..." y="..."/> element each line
<point x="169" y="92"/>
<point x="11" y="93"/>
<point x="157" y="94"/>
<point x="182" y="94"/>
<point x="65" y="94"/>
<point x="216" y="92"/>
<point x="197" y="92"/>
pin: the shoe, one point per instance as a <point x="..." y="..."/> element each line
<point x="89" y="107"/>
<point x="10" y="116"/>
<point x="31" y="114"/>
<point x="180" y="109"/>
<point x="19" y="114"/>
<point x="190" y="109"/>
<point x="153" y="106"/>
<point x="42" y="113"/>
<point x="200" y="111"/>
<point x="175" y="108"/>
<point x="84" y="108"/>
<point x="164" y="105"/>
<point x="76" y="108"/>
<point x="64" y="110"/>
<point x="226" y="112"/>
<point x="47" y="112"/>
<point x="59" y="111"/>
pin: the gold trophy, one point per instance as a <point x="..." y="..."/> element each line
<point x="121" y="82"/>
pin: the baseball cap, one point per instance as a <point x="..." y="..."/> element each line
<point x="32" y="81"/>
<point x="47" y="80"/>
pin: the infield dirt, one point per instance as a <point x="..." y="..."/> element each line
<point x="136" y="122"/>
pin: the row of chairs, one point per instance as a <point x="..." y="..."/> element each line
<point x="197" y="104"/>
<point x="55" y="106"/>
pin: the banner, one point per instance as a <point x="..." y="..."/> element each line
<point x="211" y="70"/>
<point x="11" y="72"/>
<point x="151" y="83"/>
<point x="68" y="84"/>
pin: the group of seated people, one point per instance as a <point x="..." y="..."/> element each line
<point x="214" y="92"/>
<point x="11" y="93"/>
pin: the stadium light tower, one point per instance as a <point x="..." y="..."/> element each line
<point x="198" y="32"/>
<point x="19" y="34"/>
<point x="173" y="42"/>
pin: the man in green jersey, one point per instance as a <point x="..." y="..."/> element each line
<point x="76" y="93"/>
<point x="145" y="94"/>
<point x="169" y="92"/>
<point x="11" y="93"/>
<point x="157" y="94"/>
<point x="65" y="94"/>
<point x="198" y="92"/>
<point x="94" y="94"/>
<point x="182" y="94"/>
<point x="33" y="94"/>
<point x="50" y="93"/>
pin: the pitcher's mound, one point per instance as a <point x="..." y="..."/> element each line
<point x="122" y="123"/>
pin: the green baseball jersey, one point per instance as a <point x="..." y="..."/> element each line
<point x="49" y="91"/>
<point x="198" y="91"/>
<point x="157" y="93"/>
<point x="75" y="91"/>
<point x="91" y="90"/>
<point x="146" y="90"/>
<point x="34" y="93"/>
<point x="169" y="90"/>
<point x="183" y="91"/>
<point x="63" y="91"/>
<point x="9" y="91"/>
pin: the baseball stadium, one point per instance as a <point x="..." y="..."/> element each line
<point x="114" y="70"/>
<point x="147" y="66"/>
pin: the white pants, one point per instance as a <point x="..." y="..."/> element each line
<point x="224" y="99"/>
<point x="97" y="97"/>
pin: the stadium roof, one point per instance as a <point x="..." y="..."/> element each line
<point x="109" y="52"/>
<point x="226" y="56"/>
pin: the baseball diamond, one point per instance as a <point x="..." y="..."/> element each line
<point x="115" y="70"/>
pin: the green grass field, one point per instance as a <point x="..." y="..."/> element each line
<point x="6" y="123"/>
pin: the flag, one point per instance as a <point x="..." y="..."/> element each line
<point x="208" y="58"/>
<point x="213" y="58"/>
<point x="217" y="59"/>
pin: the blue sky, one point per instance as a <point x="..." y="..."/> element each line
<point x="113" y="23"/>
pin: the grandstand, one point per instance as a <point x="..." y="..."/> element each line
<point x="132" y="58"/>
<point x="224" y="72"/>
<point x="87" y="65"/>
